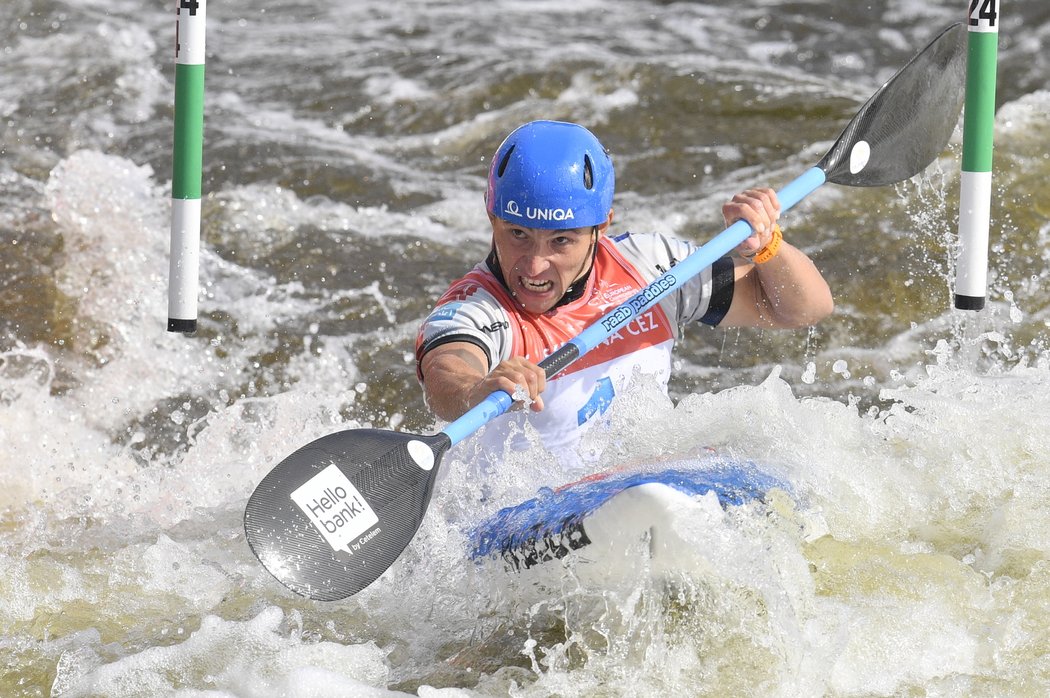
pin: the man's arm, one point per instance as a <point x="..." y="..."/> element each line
<point x="455" y="379"/>
<point x="786" y="292"/>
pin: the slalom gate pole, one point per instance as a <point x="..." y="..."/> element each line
<point x="978" y="131"/>
<point x="186" y="168"/>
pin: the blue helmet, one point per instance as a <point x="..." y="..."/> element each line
<point x="551" y="175"/>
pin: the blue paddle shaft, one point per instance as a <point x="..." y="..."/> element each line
<point x="722" y="244"/>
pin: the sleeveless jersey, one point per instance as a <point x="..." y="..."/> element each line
<point x="479" y="309"/>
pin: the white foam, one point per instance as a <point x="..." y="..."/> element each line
<point x="256" y="657"/>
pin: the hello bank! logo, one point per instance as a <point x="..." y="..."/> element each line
<point x="539" y="214"/>
<point x="336" y="508"/>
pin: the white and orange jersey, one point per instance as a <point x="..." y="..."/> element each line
<point x="479" y="309"/>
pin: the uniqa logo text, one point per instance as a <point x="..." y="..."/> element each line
<point x="539" y="214"/>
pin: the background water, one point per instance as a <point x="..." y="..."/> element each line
<point x="346" y="145"/>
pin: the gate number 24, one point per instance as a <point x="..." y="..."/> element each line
<point x="984" y="12"/>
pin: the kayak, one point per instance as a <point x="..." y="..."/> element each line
<point x="608" y="512"/>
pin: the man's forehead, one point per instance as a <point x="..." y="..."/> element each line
<point x="547" y="231"/>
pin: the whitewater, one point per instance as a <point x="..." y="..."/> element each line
<point x="345" y="153"/>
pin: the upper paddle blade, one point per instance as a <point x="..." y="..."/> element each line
<point x="907" y="123"/>
<point x="333" y="516"/>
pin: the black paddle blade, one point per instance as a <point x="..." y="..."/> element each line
<point x="333" y="516"/>
<point x="908" y="122"/>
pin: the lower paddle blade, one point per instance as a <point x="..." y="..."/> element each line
<point x="907" y="123"/>
<point x="333" y="516"/>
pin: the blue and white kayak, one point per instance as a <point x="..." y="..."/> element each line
<point x="605" y="513"/>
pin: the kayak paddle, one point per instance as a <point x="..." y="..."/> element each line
<point x="335" y="514"/>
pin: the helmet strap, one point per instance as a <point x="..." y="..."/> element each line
<point x="575" y="289"/>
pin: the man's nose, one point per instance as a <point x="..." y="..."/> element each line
<point x="535" y="261"/>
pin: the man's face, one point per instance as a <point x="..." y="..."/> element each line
<point x="539" y="265"/>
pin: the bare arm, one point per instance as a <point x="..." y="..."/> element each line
<point x="455" y="379"/>
<point x="785" y="292"/>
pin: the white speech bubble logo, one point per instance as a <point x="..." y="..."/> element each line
<point x="421" y="454"/>
<point x="335" y="508"/>
<point x="859" y="156"/>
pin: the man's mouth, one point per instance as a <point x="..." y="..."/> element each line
<point x="535" y="286"/>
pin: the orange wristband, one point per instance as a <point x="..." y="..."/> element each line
<point x="770" y="250"/>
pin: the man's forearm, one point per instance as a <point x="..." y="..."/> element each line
<point x="449" y="374"/>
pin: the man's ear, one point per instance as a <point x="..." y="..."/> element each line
<point x="604" y="227"/>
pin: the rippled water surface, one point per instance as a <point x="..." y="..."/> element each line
<point x="346" y="145"/>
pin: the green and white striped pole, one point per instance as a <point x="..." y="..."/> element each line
<point x="187" y="158"/>
<point x="978" y="130"/>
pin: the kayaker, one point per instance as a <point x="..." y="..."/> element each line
<point x="554" y="268"/>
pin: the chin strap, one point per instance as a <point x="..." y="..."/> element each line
<point x="575" y="289"/>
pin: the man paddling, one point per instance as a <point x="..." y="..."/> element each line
<point x="554" y="269"/>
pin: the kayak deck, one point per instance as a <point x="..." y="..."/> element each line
<point x="614" y="504"/>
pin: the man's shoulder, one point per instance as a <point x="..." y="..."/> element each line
<point x="478" y="286"/>
<point x="648" y="240"/>
<point x="470" y="308"/>
<point x="652" y="252"/>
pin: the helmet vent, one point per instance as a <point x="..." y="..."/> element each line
<point x="504" y="162"/>
<point x="588" y="172"/>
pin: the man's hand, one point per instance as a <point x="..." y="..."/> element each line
<point x="515" y="375"/>
<point x="760" y="208"/>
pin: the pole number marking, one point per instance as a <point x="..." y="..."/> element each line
<point x="192" y="6"/>
<point x="984" y="13"/>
